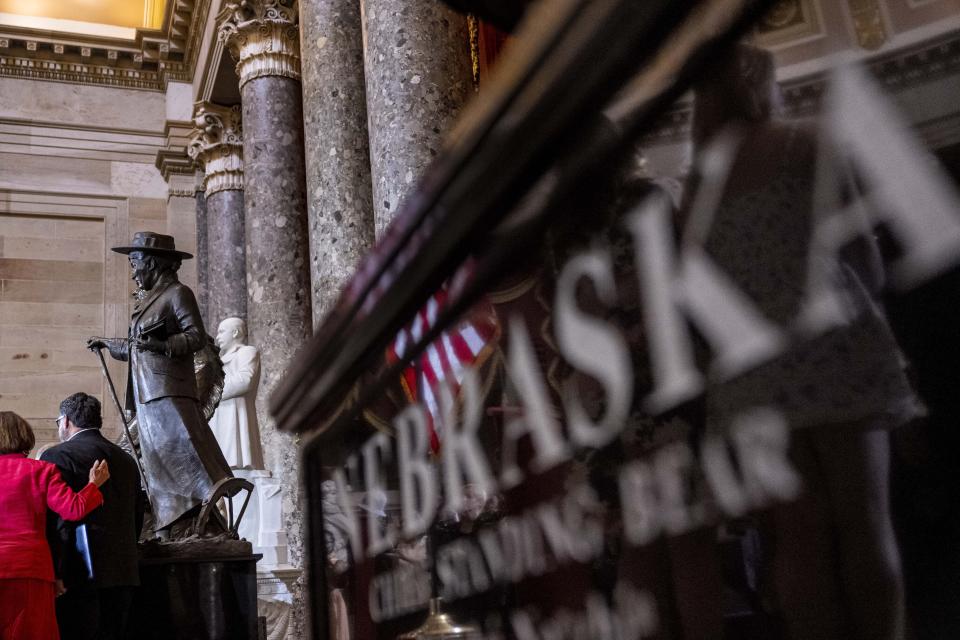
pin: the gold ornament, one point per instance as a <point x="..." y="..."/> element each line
<point x="868" y="23"/>
<point x="439" y="626"/>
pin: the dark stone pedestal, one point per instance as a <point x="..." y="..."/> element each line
<point x="196" y="598"/>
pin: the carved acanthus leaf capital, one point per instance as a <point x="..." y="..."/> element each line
<point x="262" y="36"/>
<point x="216" y="144"/>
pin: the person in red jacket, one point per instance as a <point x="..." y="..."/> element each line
<point x="27" y="489"/>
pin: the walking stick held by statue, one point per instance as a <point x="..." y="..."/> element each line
<point x="126" y="425"/>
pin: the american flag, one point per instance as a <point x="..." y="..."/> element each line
<point x="467" y="343"/>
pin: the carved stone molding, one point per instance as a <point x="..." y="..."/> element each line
<point x="105" y="75"/>
<point x="181" y="193"/>
<point x="789" y="22"/>
<point x="177" y="168"/>
<point x="868" y="23"/>
<point x="182" y="185"/>
<point x="172" y="161"/>
<point x="217" y="145"/>
<point x="896" y="71"/>
<point x="263" y="37"/>
<point x="149" y="61"/>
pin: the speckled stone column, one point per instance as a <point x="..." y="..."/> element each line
<point x="263" y="36"/>
<point x="203" y="286"/>
<point x="217" y="145"/>
<point x="339" y="197"/>
<point x="227" y="280"/>
<point x="418" y="76"/>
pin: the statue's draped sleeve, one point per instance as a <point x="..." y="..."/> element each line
<point x="239" y="381"/>
<point x="192" y="334"/>
<point x="119" y="348"/>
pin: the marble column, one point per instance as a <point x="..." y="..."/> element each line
<point x="202" y="259"/>
<point x="217" y="145"/>
<point x="339" y="197"/>
<point x="418" y="77"/>
<point x="182" y="220"/>
<point x="263" y="37"/>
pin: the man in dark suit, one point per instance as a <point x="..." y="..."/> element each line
<point x="97" y="607"/>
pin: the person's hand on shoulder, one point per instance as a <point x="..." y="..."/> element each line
<point x="99" y="472"/>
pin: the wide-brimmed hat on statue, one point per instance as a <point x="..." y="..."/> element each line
<point x="155" y="243"/>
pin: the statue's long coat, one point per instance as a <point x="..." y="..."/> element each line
<point x="181" y="458"/>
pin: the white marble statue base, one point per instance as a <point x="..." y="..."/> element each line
<point x="262" y="523"/>
<point x="275" y="599"/>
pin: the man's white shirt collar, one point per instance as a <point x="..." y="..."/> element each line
<point x="79" y="432"/>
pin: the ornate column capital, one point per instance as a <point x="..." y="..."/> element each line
<point x="216" y="143"/>
<point x="263" y="36"/>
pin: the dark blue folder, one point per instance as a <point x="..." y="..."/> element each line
<point x="83" y="548"/>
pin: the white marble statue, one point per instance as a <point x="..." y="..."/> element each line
<point x="235" y="421"/>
